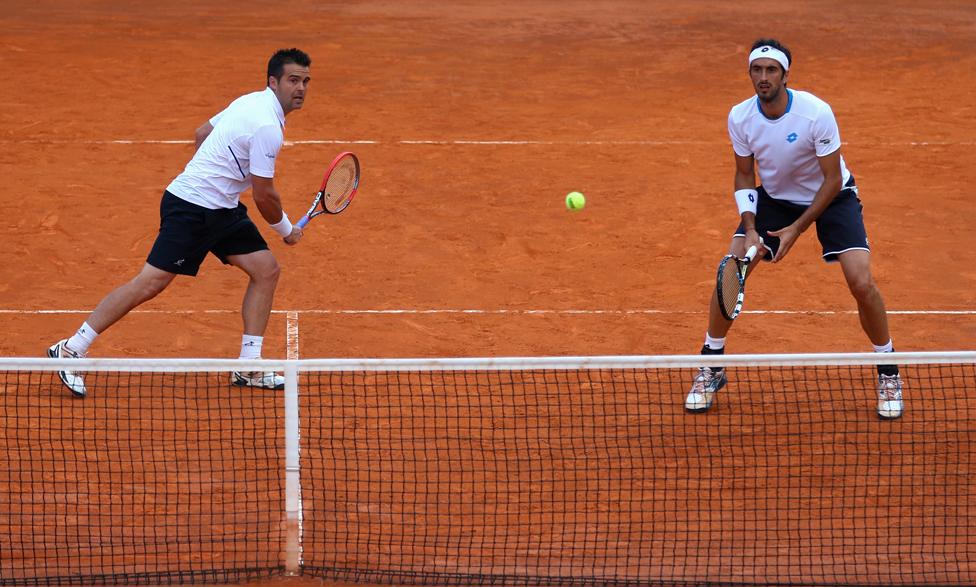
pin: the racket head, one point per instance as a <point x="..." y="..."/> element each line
<point x="340" y="183"/>
<point x="730" y="286"/>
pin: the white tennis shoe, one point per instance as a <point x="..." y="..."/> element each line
<point x="71" y="379"/>
<point x="266" y="380"/>
<point x="890" y="404"/>
<point x="703" y="390"/>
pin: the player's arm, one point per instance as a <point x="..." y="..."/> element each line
<point x="745" y="179"/>
<point x="202" y="133"/>
<point x="830" y="167"/>
<point x="268" y="201"/>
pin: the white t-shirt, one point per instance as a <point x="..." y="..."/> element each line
<point x="786" y="149"/>
<point x="245" y="141"/>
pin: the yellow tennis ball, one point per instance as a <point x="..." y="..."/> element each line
<point x="575" y="201"/>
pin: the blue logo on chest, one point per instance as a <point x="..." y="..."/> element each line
<point x="791" y="138"/>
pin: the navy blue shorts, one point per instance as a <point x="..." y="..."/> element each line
<point x="840" y="228"/>
<point x="188" y="232"/>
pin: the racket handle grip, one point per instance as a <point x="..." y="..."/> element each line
<point x="750" y="254"/>
<point x="302" y="221"/>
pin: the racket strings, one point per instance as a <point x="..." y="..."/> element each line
<point x="340" y="185"/>
<point x="730" y="286"/>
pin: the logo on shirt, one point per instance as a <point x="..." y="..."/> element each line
<point x="791" y="138"/>
<point x="824" y="141"/>
<point x="269" y="155"/>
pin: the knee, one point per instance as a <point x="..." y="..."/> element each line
<point x="267" y="273"/>
<point x="149" y="287"/>
<point x="863" y="287"/>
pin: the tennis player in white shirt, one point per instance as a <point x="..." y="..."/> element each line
<point x="790" y="139"/>
<point x="201" y="213"/>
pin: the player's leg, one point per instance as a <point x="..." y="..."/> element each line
<point x="177" y="250"/>
<point x="110" y="310"/>
<point x="874" y="321"/>
<point x="242" y="246"/>
<point x="116" y="304"/>
<point x="263" y="271"/>
<point x="856" y="265"/>
<point x="149" y="283"/>
<point x="841" y="232"/>
<point x="709" y="380"/>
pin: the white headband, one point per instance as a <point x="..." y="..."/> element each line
<point x="767" y="52"/>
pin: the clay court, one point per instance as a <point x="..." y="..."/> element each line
<point x="472" y="121"/>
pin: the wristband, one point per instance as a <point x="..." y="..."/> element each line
<point x="746" y="200"/>
<point x="283" y="227"/>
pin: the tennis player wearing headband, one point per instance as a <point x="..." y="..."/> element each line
<point x="790" y="138"/>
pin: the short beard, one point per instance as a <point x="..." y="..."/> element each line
<point x="771" y="97"/>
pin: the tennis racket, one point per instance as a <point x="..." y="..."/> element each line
<point x="338" y="188"/>
<point x="731" y="287"/>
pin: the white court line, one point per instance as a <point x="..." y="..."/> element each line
<point x="291" y="334"/>
<point x="293" y="315"/>
<point x="292" y="353"/>
<point x="488" y="142"/>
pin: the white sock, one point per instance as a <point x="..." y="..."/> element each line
<point x="885" y="348"/>
<point x="251" y="346"/>
<point x="82" y="339"/>
<point x="716" y="344"/>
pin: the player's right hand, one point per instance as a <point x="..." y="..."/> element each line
<point x="753" y="239"/>
<point x="295" y="236"/>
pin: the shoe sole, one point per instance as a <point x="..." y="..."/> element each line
<point x="240" y="383"/>
<point x="704" y="409"/>
<point x="891" y="417"/>
<point x="51" y="354"/>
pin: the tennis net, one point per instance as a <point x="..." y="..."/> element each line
<point x="578" y="470"/>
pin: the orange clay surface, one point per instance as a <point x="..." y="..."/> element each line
<point x="472" y="121"/>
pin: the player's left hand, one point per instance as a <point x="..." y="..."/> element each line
<point x="295" y="236"/>
<point x="787" y="236"/>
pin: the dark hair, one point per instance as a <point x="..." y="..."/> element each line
<point x="282" y="57"/>
<point x="775" y="45"/>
